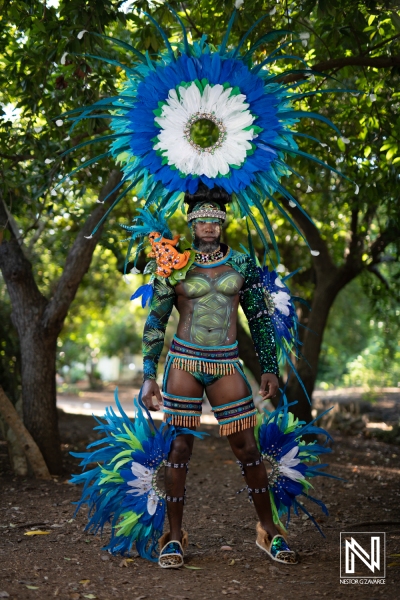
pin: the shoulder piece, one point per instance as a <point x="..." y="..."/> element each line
<point x="239" y="261"/>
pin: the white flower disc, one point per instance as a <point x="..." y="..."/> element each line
<point x="287" y="463"/>
<point x="233" y="114"/>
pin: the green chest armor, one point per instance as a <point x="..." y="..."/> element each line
<point x="212" y="299"/>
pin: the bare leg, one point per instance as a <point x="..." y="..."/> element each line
<point x="243" y="444"/>
<point x="245" y="449"/>
<point x="182" y="384"/>
<point x="175" y="480"/>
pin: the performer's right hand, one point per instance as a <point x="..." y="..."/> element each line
<point x="150" y="388"/>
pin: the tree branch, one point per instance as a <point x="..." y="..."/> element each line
<point x="355" y="245"/>
<point x="16" y="268"/>
<point x="387" y="237"/>
<point x="383" y="43"/>
<point x="78" y="260"/>
<point x="374" y="269"/>
<point x="17" y="157"/>
<point x="190" y="20"/>
<point x="377" y="62"/>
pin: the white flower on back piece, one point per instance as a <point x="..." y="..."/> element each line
<point x="281" y="299"/>
<point x="282" y="302"/>
<point x="229" y="112"/>
<point x="143" y="484"/>
<point x="287" y="463"/>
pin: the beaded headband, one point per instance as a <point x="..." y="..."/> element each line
<point x="208" y="210"/>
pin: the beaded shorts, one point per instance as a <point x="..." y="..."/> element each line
<point x="207" y="365"/>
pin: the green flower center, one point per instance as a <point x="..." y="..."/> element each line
<point x="204" y="133"/>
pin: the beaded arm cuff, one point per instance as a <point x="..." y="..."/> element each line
<point x="254" y="307"/>
<point x="154" y="329"/>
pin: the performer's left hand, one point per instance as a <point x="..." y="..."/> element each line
<point x="269" y="385"/>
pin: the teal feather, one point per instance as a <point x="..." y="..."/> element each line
<point x="103" y="138"/>
<point x="109" y="61"/>
<point x="87" y="163"/>
<point x="254" y="199"/>
<point x="181" y="23"/>
<point x="281" y="56"/>
<point x="163" y="35"/>
<point x="314" y="159"/>
<point x="122" y="44"/>
<point x="267" y="38"/>
<point x="246" y="35"/>
<point x="227" y="33"/>
<point x="114" y="204"/>
<point x="246" y="210"/>
<point x="250" y="242"/>
<point x="301" y="114"/>
<point x="284" y="45"/>
<point x="302" y="95"/>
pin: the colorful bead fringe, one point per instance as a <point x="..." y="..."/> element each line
<point x="236" y="416"/>
<point x="182" y="411"/>
<point x="217" y="360"/>
<point x="200" y="366"/>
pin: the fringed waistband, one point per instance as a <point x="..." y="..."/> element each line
<point x="216" y="360"/>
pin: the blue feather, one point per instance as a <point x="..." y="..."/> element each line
<point x="146" y="292"/>
<point x="107" y="488"/>
<point x="275" y="440"/>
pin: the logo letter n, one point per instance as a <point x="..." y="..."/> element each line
<point x="353" y="549"/>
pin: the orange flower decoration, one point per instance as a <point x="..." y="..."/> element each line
<point x="167" y="256"/>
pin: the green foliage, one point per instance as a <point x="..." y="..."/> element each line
<point x="44" y="72"/>
<point x="361" y="344"/>
<point x="347" y="333"/>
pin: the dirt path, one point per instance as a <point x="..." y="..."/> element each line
<point x="69" y="564"/>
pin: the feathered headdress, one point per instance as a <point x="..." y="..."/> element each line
<point x="198" y="113"/>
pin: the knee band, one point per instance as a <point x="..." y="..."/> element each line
<point x="182" y="411"/>
<point x="236" y="416"/>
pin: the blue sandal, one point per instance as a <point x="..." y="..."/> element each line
<point x="277" y="547"/>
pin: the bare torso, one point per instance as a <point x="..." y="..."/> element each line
<point x="207" y="302"/>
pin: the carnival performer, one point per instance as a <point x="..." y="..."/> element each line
<point x="209" y="125"/>
<point x="204" y="357"/>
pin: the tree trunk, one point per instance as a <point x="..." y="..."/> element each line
<point x="38" y="354"/>
<point x="21" y="439"/>
<point x="330" y="282"/>
<point x="307" y="366"/>
<point x="38" y="377"/>
<point x="39" y="321"/>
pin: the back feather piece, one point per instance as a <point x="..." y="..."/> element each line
<point x="280" y="437"/>
<point x="120" y="480"/>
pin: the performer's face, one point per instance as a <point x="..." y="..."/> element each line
<point x="207" y="235"/>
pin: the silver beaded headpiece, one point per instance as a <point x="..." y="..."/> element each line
<point x="207" y="210"/>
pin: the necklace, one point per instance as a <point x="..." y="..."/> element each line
<point x="209" y="258"/>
